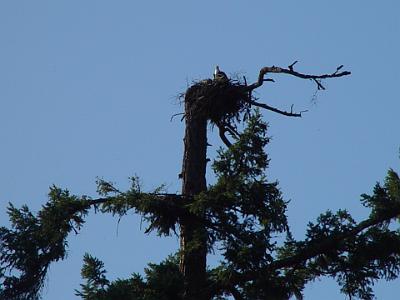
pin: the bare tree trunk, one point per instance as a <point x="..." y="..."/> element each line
<point x="193" y="234"/>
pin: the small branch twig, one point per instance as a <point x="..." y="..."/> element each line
<point x="224" y="139"/>
<point x="234" y="133"/>
<point x="292" y="65"/>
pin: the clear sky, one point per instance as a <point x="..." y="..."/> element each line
<point x="87" y="89"/>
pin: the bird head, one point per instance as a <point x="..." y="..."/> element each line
<point x="216" y="70"/>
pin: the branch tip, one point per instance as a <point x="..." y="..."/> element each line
<point x="292" y="65"/>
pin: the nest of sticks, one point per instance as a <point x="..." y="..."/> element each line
<point x="221" y="101"/>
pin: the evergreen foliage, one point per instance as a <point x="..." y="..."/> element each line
<point x="245" y="218"/>
<point x="33" y="242"/>
<point x="162" y="282"/>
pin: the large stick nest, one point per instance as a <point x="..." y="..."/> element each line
<point x="222" y="101"/>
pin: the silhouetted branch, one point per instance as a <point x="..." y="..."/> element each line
<point x="331" y="242"/>
<point x="290" y="71"/>
<point x="178" y="114"/>
<point x="234" y="133"/>
<point x="223" y="137"/>
<point x="313" y="249"/>
<point x="167" y="197"/>
<point x="292" y="65"/>
<point x="282" y="112"/>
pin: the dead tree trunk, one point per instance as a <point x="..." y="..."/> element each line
<point x="193" y="236"/>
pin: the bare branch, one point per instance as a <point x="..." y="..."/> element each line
<point x="290" y="71"/>
<point x="178" y="114"/>
<point x="269" y="79"/>
<point x="233" y="132"/>
<point x="222" y="131"/>
<point x="292" y="65"/>
<point x="282" y="112"/>
<point x="319" y="84"/>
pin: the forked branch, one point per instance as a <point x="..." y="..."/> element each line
<point x="291" y="71"/>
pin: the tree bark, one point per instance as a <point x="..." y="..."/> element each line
<point x="193" y="235"/>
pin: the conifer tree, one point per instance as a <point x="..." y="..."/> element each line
<point x="241" y="216"/>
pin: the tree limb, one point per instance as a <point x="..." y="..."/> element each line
<point x="98" y="201"/>
<point x="331" y="242"/>
<point x="313" y="250"/>
<point x="222" y="129"/>
<point x="282" y="112"/>
<point x="290" y="71"/>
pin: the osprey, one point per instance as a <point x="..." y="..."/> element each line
<point x="218" y="74"/>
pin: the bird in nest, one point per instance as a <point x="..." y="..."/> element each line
<point x="219" y="75"/>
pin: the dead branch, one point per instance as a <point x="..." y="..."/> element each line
<point x="232" y="130"/>
<point x="282" y="112"/>
<point x="291" y="71"/>
<point x="178" y="114"/>
<point x="292" y="65"/>
<point x="224" y="139"/>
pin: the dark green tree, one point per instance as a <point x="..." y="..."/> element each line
<point x="242" y="215"/>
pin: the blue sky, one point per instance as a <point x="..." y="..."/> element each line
<point x="87" y="89"/>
